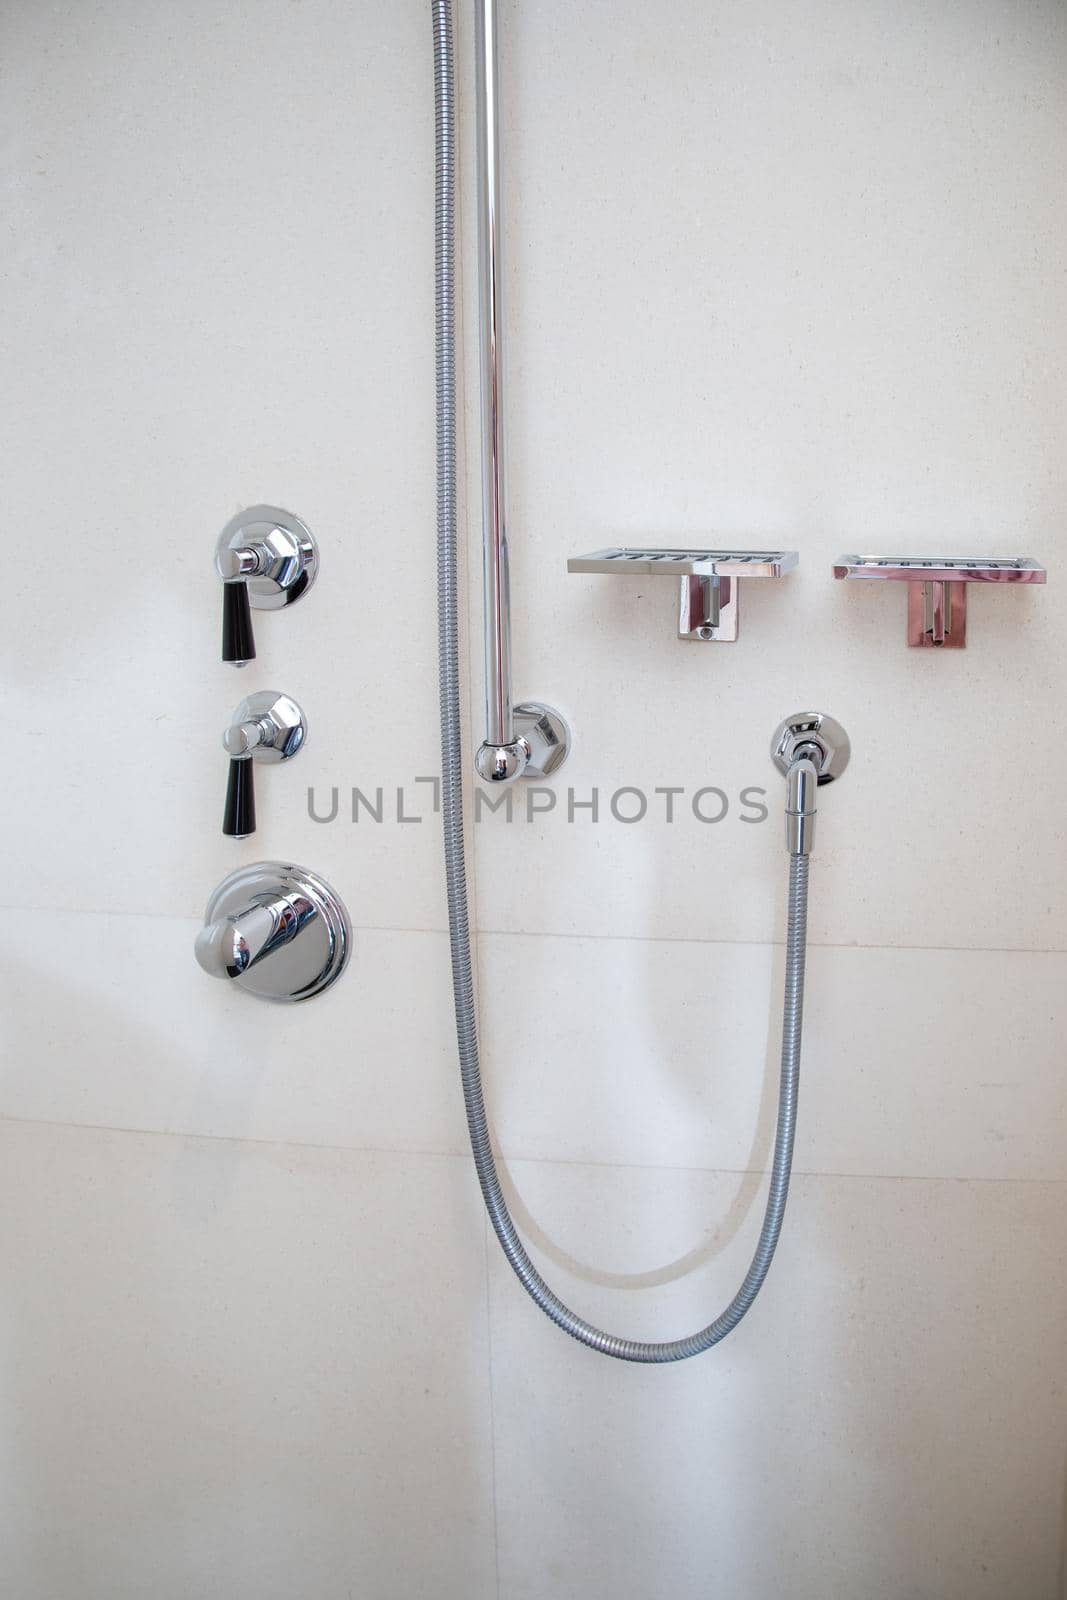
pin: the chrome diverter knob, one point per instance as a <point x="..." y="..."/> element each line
<point x="276" y="930"/>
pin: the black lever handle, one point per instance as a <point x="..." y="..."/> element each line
<point x="238" y="640"/>
<point x="268" y="727"/>
<point x="239" y="813"/>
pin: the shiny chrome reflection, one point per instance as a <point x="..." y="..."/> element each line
<point x="937" y="592"/>
<point x="273" y="551"/>
<point x="811" y="749"/>
<point x="275" y="930"/>
<point x="507" y="752"/>
<point x="266" y="727"/>
<point x="266" y="559"/>
<point x="709" y="608"/>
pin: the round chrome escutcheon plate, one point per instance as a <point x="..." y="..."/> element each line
<point x="310" y="962"/>
<point x="289" y="559"/>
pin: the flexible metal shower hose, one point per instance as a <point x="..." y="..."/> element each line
<point x="452" y="807"/>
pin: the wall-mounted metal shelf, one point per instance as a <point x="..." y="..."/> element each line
<point x="937" y="592"/>
<point x="710" y="581"/>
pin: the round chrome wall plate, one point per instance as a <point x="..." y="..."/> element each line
<point x="288" y="729"/>
<point x="545" y="734"/>
<point x="817" y="731"/>
<point x="288" y="555"/>
<point x="310" y="961"/>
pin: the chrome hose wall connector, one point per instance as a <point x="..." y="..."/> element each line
<point x="452" y="811"/>
<point x="800" y="808"/>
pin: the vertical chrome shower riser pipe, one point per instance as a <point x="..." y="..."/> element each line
<point x="529" y="739"/>
<point x="500" y="727"/>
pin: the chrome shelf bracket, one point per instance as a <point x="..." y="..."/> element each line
<point x="937" y="589"/>
<point x="709" y="601"/>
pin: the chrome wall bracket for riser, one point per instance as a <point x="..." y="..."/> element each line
<point x="541" y="743"/>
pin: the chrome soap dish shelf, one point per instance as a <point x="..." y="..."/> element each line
<point x="709" y="580"/>
<point x="937" y="588"/>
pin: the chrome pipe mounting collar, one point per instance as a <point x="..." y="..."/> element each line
<point x="814" y="736"/>
<point x="541" y="745"/>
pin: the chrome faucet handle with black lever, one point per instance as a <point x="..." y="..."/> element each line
<point x="267" y="727"/>
<point x="266" y="559"/>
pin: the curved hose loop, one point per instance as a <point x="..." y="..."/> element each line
<point x="452" y="808"/>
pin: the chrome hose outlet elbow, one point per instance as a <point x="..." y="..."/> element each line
<point x="800" y="808"/>
<point x="811" y="749"/>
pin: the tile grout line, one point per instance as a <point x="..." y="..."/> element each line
<point x="506" y="1161"/>
<point x="492" y="1398"/>
<point x="758" y="944"/>
<point x="442" y="932"/>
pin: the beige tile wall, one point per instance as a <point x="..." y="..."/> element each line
<point x="781" y="274"/>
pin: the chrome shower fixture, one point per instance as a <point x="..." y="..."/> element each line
<point x="540" y="742"/>
<point x="811" y="749"/>
<point x="937" y="594"/>
<point x="709" y="609"/>
<point x="266" y="559"/>
<point x="276" y="931"/>
<point x="814" y="748"/>
<point x="530" y="739"/>
<point x="267" y="727"/>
